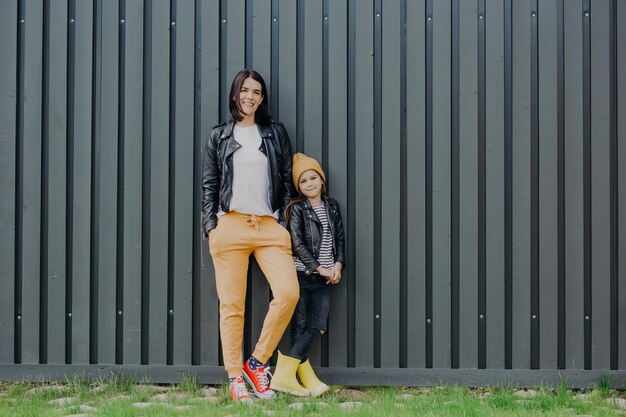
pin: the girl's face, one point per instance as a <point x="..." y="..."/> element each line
<point x="250" y="96"/>
<point x="311" y="184"/>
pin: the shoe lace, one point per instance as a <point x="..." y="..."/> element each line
<point x="238" y="387"/>
<point x="262" y="378"/>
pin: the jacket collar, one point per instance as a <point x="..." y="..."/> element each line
<point x="308" y="206"/>
<point x="264" y="130"/>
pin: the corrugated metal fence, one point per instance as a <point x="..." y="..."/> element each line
<point x="472" y="145"/>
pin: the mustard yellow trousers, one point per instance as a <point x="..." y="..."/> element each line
<point x="231" y="243"/>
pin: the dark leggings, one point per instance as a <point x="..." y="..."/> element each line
<point x="311" y="314"/>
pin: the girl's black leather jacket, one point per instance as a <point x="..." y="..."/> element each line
<point x="306" y="233"/>
<point x="217" y="171"/>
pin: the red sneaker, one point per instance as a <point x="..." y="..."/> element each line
<point x="259" y="380"/>
<point x="238" y="390"/>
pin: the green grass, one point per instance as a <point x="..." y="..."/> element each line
<point x="115" y="398"/>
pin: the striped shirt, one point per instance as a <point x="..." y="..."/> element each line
<point x="325" y="257"/>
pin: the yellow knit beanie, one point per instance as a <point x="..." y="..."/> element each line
<point x="302" y="163"/>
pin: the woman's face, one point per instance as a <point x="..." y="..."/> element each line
<point x="250" y="96"/>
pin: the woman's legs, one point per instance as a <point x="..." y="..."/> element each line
<point x="272" y="250"/>
<point x="230" y="254"/>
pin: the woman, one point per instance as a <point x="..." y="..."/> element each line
<point x="246" y="183"/>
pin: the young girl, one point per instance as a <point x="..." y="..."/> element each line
<point x="318" y="247"/>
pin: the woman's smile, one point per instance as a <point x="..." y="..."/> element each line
<point x="250" y="96"/>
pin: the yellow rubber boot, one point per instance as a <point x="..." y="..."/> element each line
<point x="310" y="380"/>
<point x="284" y="378"/>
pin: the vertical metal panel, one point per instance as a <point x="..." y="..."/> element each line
<point x="363" y="180"/>
<point x="274" y="46"/>
<point x="81" y="184"/>
<point x="119" y="226"/>
<point x="69" y="180"/>
<point x="196" y="201"/>
<point x="534" y="186"/>
<point x="468" y="185"/>
<point x="390" y="184"/>
<point x="337" y="174"/>
<point x="548" y="183"/>
<point x="158" y="186"/>
<point x="428" y="174"/>
<point x="96" y="129"/>
<point x="233" y="49"/>
<point x="261" y="29"/>
<point x="146" y="160"/>
<point x="287" y="30"/>
<point x="415" y="182"/>
<point x="521" y="186"/>
<point x="209" y="82"/>
<point x="183" y="174"/>
<point x="133" y="166"/>
<point x="600" y="187"/>
<point x="299" y="54"/>
<point x="587" y="171"/>
<point x="614" y="190"/>
<point x="403" y="255"/>
<point x="56" y="272"/>
<point x="312" y="76"/>
<point x="351" y="165"/>
<point x="574" y="354"/>
<point x="43" y="221"/>
<point x="494" y="183"/>
<point x="561" y="182"/>
<point x="481" y="167"/>
<point x="107" y="222"/>
<point x="454" y="184"/>
<point x="31" y="207"/>
<point x="8" y="84"/>
<point x="376" y="172"/>
<point x="508" y="184"/>
<point x="171" y="180"/>
<point x="441" y="177"/>
<point x="621" y="177"/>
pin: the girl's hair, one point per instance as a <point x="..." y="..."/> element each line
<point x="300" y="198"/>
<point x="262" y="115"/>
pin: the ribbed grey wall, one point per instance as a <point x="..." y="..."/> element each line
<point x="472" y="145"/>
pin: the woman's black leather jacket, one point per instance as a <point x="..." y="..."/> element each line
<point x="306" y="233"/>
<point x="217" y="171"/>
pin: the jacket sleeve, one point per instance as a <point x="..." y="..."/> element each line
<point x="210" y="184"/>
<point x="339" y="238"/>
<point x="284" y="166"/>
<point x="296" y="225"/>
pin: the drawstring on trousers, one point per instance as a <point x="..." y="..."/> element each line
<point x="253" y="221"/>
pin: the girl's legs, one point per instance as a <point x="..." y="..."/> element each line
<point x="311" y="316"/>
<point x="299" y="322"/>
<point x="273" y="253"/>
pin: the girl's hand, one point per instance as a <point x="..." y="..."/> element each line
<point x="336" y="274"/>
<point x="326" y="273"/>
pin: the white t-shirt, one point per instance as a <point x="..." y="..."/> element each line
<point x="251" y="182"/>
